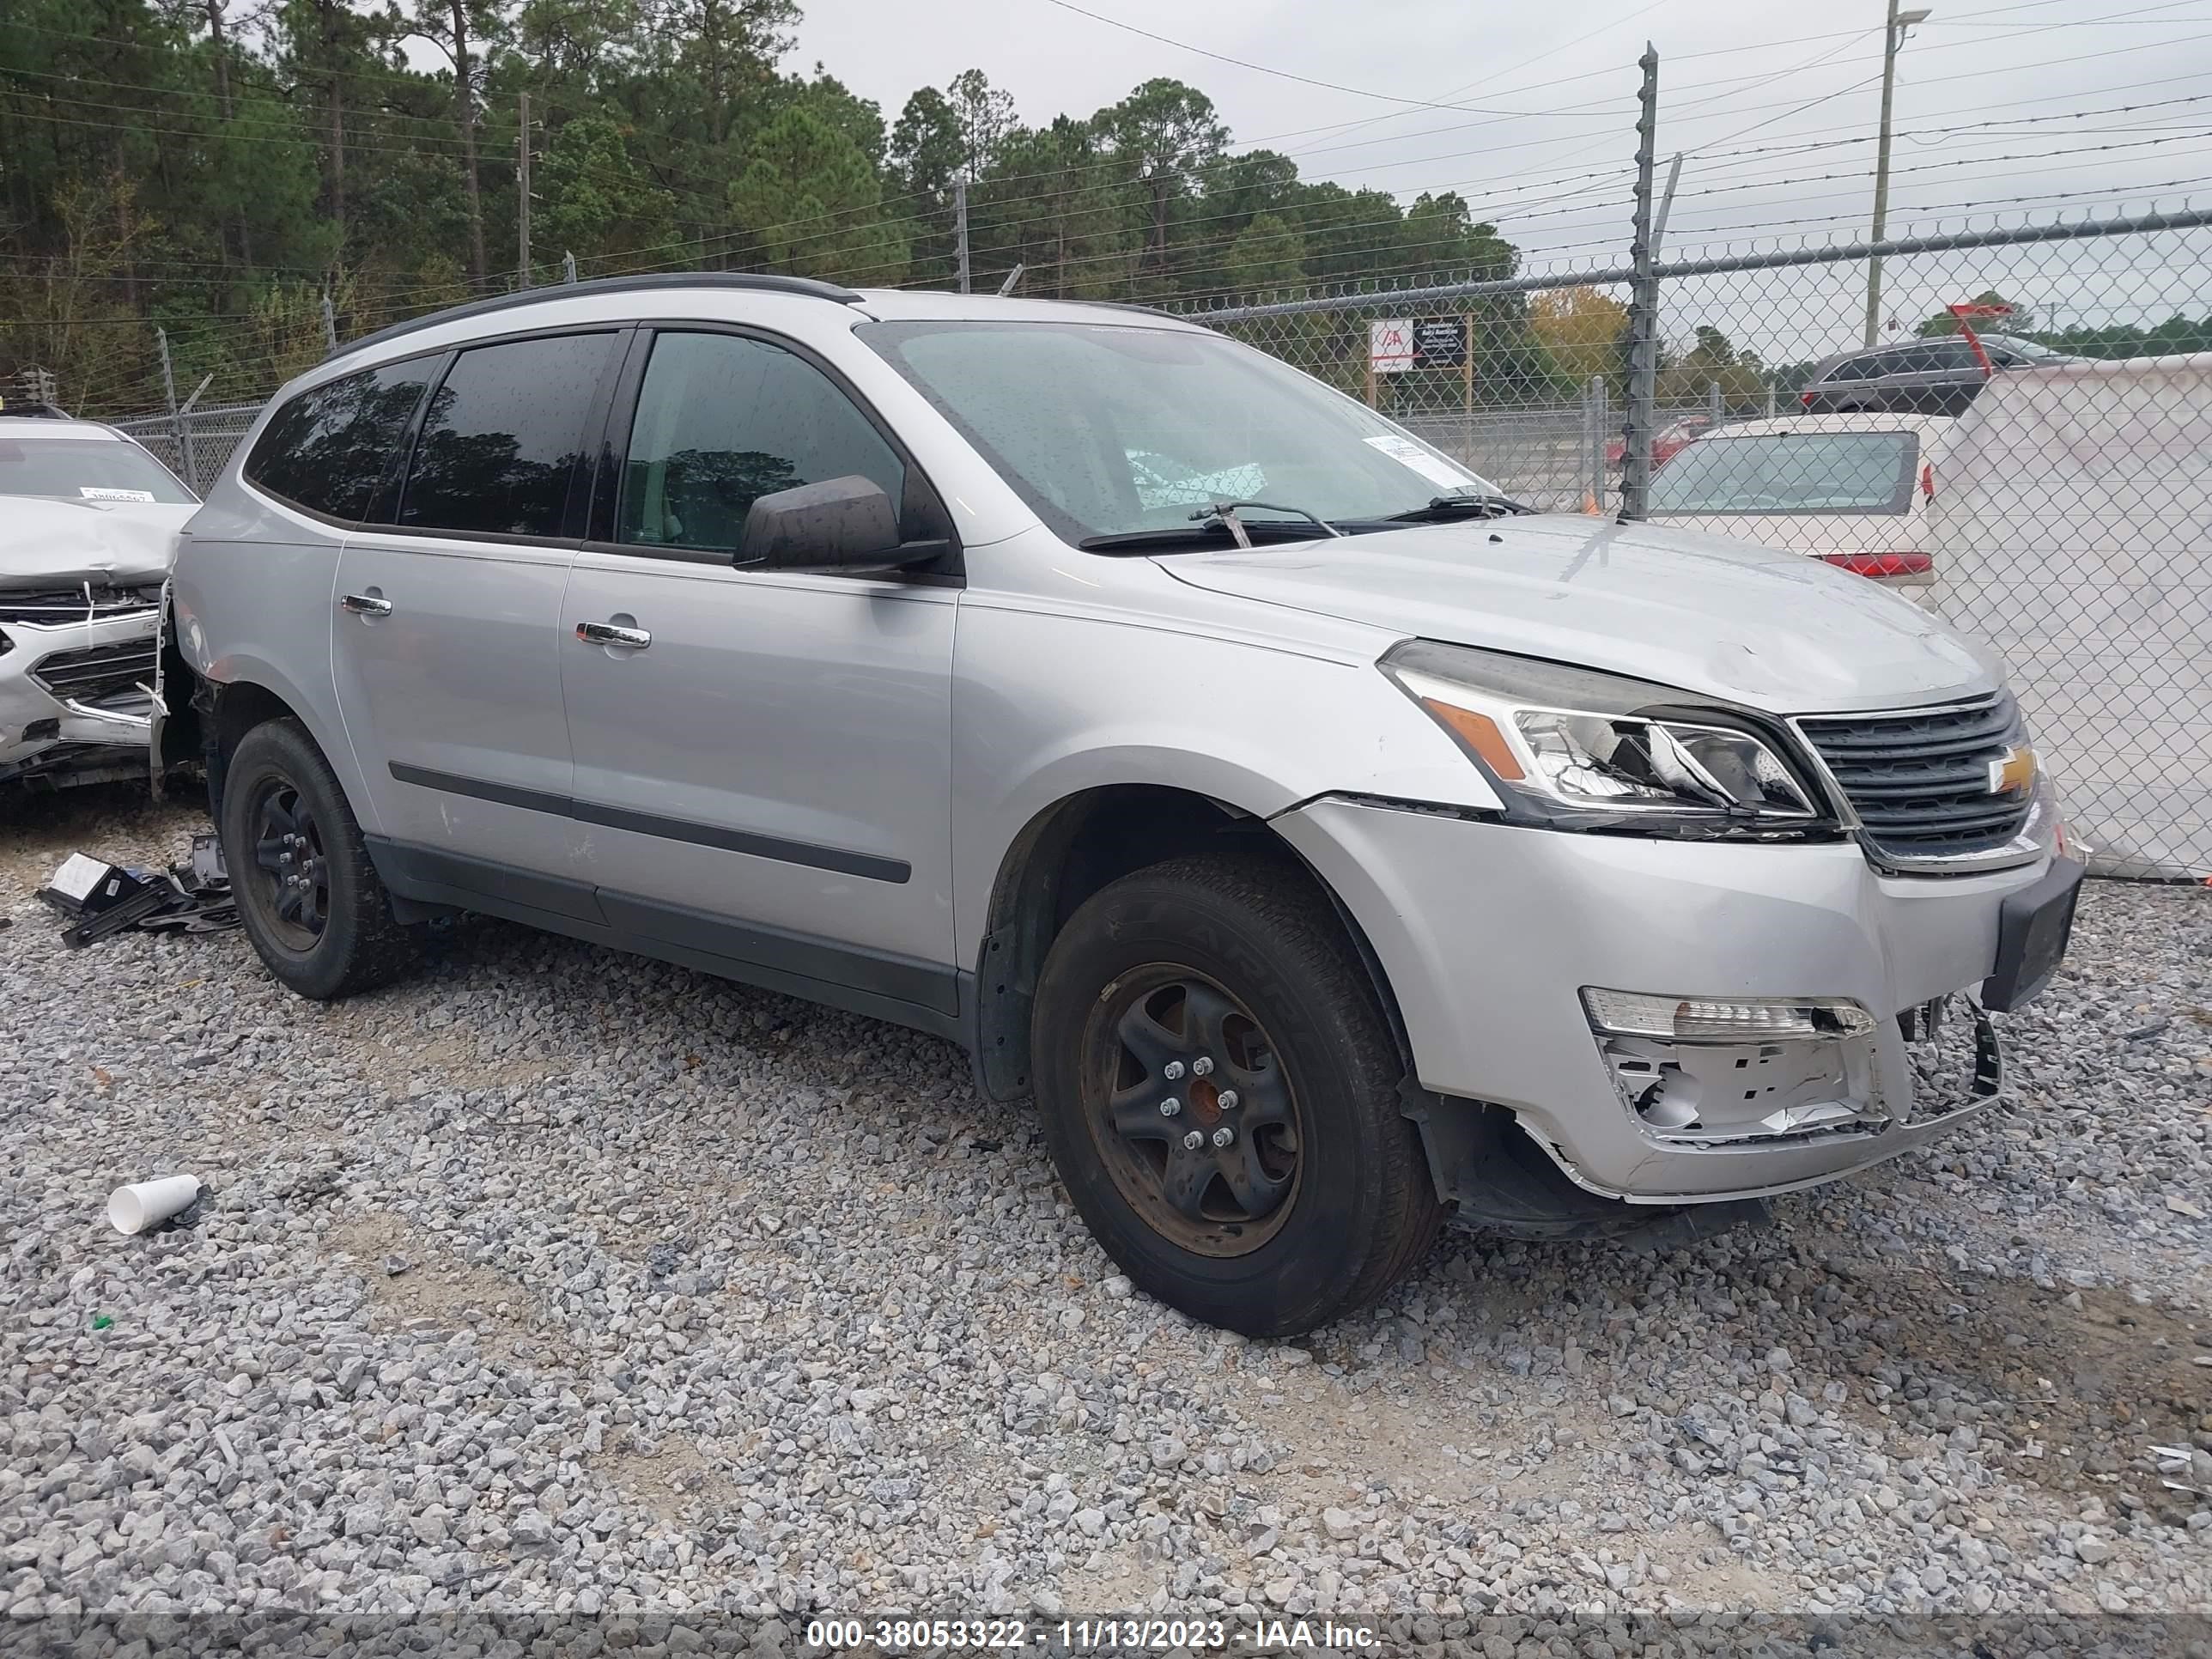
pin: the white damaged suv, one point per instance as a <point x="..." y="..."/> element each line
<point x="89" y="523"/>
<point x="1327" y="844"/>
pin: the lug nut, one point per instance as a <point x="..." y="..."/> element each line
<point x="1203" y="1067"/>
<point x="1193" y="1141"/>
<point x="1224" y="1136"/>
<point x="1170" y="1106"/>
<point x="1172" y="1071"/>
<point x="1228" y="1100"/>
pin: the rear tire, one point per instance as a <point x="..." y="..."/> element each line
<point x="1320" y="1198"/>
<point x="307" y="895"/>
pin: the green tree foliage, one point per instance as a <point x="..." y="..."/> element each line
<point x="812" y="202"/>
<point x="1710" y="362"/>
<point x="216" y="168"/>
<point x="598" y="202"/>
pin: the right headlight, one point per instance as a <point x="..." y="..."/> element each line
<point x="1571" y="748"/>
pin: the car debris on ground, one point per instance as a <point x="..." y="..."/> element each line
<point x="103" y="899"/>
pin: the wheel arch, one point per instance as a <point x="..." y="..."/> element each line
<point x="230" y="707"/>
<point x="1073" y="847"/>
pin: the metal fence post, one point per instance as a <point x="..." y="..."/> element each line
<point x="1597" y="401"/>
<point x="1713" y="406"/>
<point x="169" y="396"/>
<point x="329" y="324"/>
<point x="1644" y="306"/>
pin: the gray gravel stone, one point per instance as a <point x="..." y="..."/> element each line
<point x="715" y="1300"/>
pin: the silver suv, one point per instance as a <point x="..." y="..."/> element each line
<point x="992" y="666"/>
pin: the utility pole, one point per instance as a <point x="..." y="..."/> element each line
<point x="1892" y="37"/>
<point x="1644" y="305"/>
<point x="522" y="175"/>
<point x="960" y="228"/>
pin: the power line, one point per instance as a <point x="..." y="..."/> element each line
<point x="1283" y="75"/>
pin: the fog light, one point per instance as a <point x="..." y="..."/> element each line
<point x="1711" y="1019"/>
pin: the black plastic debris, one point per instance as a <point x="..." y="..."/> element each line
<point x="103" y="899"/>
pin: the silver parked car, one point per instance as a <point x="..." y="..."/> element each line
<point x="89" y="523"/>
<point x="1326" y="845"/>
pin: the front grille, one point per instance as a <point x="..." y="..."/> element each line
<point x="1920" y="779"/>
<point x="94" y="676"/>
<point x="68" y="605"/>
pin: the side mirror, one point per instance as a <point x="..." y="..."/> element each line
<point x="840" y="524"/>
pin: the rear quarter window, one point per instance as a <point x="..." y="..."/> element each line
<point x="327" y="449"/>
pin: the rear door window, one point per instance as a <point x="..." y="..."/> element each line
<point x="503" y="435"/>
<point x="327" y="449"/>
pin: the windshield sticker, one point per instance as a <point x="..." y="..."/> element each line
<point x="1162" y="481"/>
<point x="1434" y="468"/>
<point x="104" y="493"/>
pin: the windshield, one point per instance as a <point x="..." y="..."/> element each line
<point x="87" y="470"/>
<point x="1790" y="472"/>
<point x="1105" y="429"/>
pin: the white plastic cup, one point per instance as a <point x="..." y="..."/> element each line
<point x="146" y="1204"/>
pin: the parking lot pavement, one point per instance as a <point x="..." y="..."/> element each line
<point x="563" y="1280"/>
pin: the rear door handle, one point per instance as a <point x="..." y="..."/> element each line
<point x="634" y="639"/>
<point x="363" y="605"/>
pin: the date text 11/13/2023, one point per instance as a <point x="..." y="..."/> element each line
<point x="1074" y="1636"/>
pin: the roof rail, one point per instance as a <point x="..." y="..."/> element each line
<point x="1142" y="311"/>
<point x="709" y="279"/>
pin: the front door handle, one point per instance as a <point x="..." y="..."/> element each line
<point x="364" y="604"/>
<point x="633" y="638"/>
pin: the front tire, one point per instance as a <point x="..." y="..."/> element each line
<point x="305" y="890"/>
<point x="1220" y="1093"/>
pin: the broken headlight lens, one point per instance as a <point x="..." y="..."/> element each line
<point x="1575" y="748"/>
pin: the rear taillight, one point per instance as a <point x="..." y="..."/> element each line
<point x="1879" y="565"/>
<point x="1806" y="398"/>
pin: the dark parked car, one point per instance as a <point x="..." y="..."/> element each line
<point x="1937" y="376"/>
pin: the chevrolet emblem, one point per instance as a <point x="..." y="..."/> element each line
<point x="2014" y="772"/>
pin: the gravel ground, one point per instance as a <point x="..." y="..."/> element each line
<point x="560" y="1280"/>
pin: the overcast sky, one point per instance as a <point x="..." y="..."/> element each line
<point x="1775" y="106"/>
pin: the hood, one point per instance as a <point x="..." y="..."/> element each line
<point x="47" y="542"/>
<point x="1775" y="630"/>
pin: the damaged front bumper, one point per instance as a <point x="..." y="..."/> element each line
<point x="1492" y="937"/>
<point x="76" y="684"/>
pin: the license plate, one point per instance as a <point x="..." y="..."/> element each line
<point x="2033" y="928"/>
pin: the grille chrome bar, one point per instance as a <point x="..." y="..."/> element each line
<point x="95" y="672"/>
<point x="1920" y="779"/>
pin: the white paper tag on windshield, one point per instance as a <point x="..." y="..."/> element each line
<point x="1434" y="468"/>
<point x="105" y="493"/>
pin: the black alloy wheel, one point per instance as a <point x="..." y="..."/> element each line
<point x="293" y="869"/>
<point x="1193" y="1110"/>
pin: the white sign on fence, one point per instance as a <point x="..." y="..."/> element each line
<point x="1390" y="345"/>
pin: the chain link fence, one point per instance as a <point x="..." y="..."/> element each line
<point x="194" y="443"/>
<point x="2022" y="444"/>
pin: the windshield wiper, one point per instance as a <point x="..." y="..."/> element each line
<point x="1453" y="507"/>
<point x="1212" y="519"/>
